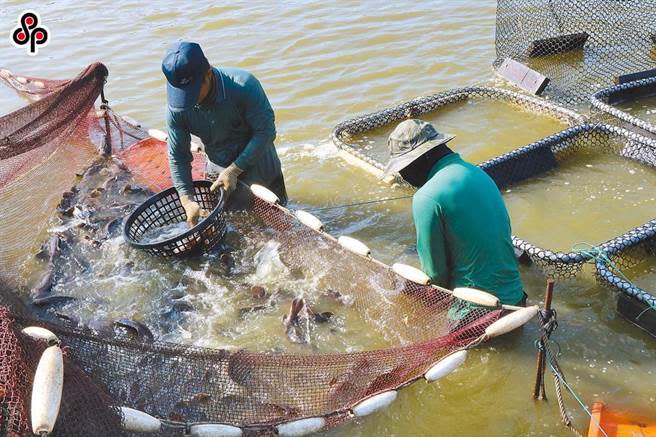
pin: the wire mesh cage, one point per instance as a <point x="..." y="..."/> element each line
<point x="344" y="133"/>
<point x="547" y="154"/>
<point x="581" y="45"/>
<point x="622" y="267"/>
<point x="604" y="104"/>
<point x="164" y="208"/>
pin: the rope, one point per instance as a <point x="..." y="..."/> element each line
<point x="559" y="379"/>
<point x="599" y="255"/>
<point x="107" y="147"/>
<point x="549" y="322"/>
<point x="347" y="205"/>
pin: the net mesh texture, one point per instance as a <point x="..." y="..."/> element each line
<point x="603" y="104"/>
<point x="580" y="45"/>
<point x="186" y="384"/>
<point x="344" y="133"/>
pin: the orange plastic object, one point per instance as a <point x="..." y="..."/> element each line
<point x="148" y="161"/>
<point x="620" y="424"/>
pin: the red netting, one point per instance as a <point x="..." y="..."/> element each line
<point x="31" y="134"/>
<point x="144" y="159"/>
<point x="186" y="385"/>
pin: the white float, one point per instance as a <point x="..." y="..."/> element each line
<point x="39" y="84"/>
<point x="476" y="296"/>
<point x="214" y="430"/>
<point x="445" y="366"/>
<point x="138" y="421"/>
<point x="512" y="321"/>
<point x="264" y="193"/>
<point x="309" y="220"/>
<point x="158" y="134"/>
<point x="410" y="273"/>
<point x="301" y="427"/>
<point x="47" y="390"/>
<point x="374" y="403"/>
<point x="21" y="79"/>
<point x="40" y="333"/>
<point x="353" y="245"/>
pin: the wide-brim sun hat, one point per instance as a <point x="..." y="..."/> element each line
<point x="410" y="140"/>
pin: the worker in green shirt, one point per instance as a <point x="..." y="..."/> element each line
<point x="462" y="225"/>
<point x="229" y="111"/>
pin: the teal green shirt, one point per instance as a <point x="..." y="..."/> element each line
<point x="238" y="126"/>
<point x="463" y="231"/>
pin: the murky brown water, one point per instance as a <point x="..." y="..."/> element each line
<point x="323" y="62"/>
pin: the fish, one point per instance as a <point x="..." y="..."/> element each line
<point x="137" y="328"/>
<point x="341" y="298"/>
<point x="182" y="306"/>
<point x="243" y="312"/>
<point x="321" y="317"/>
<point x="52" y="250"/>
<point x="129" y="189"/>
<point x="240" y="371"/>
<point x="112" y="226"/>
<point x="55" y="299"/>
<point x="68" y="318"/>
<point x="258" y="292"/>
<point x="291" y="322"/>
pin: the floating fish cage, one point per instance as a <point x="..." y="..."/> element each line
<point x="545" y="155"/>
<point x="603" y="101"/>
<point x="355" y="154"/>
<point x="581" y="46"/>
<point x="636" y="304"/>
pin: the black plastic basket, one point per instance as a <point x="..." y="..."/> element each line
<point x="164" y="208"/>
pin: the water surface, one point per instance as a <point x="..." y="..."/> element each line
<point x="321" y="63"/>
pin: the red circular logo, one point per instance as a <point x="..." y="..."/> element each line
<point x="29" y="32"/>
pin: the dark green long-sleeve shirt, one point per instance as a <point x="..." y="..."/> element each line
<point x="463" y="231"/>
<point x="237" y="126"/>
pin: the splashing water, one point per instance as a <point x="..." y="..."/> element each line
<point x="166" y="232"/>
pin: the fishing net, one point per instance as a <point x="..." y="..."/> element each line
<point x="255" y="391"/>
<point x="603" y="101"/>
<point x="43" y="146"/>
<point x="581" y="46"/>
<point x="185" y="385"/>
<point x="344" y="135"/>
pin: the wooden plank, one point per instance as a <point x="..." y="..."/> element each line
<point x="630" y="308"/>
<point x="523" y="76"/>
<point x="557" y="44"/>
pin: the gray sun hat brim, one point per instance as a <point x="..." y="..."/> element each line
<point x="398" y="163"/>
